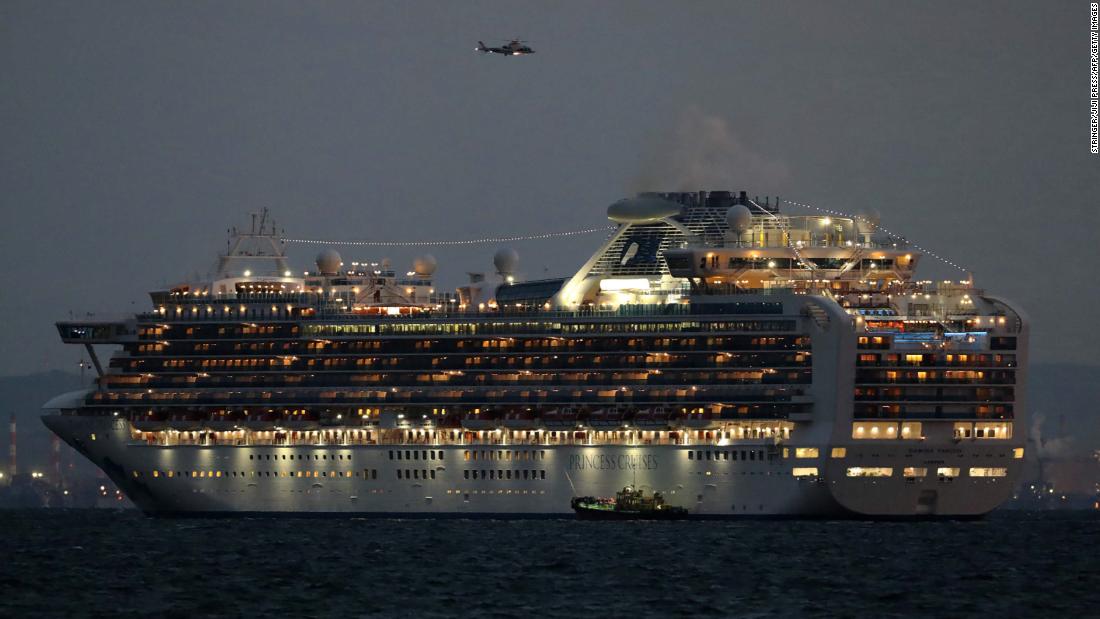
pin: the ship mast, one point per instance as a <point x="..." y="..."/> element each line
<point x="262" y="243"/>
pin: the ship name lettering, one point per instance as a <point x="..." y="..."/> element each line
<point x="606" y="462"/>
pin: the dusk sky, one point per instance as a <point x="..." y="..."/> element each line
<point x="132" y="134"/>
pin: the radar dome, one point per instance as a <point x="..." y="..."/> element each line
<point x="506" y="260"/>
<point x="328" y="261"/>
<point x="642" y="209"/>
<point x="868" y="222"/>
<point x="424" y="265"/>
<point x="739" y="218"/>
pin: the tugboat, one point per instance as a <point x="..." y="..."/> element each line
<point x="628" y="504"/>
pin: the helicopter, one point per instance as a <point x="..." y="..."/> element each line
<point x="515" y="47"/>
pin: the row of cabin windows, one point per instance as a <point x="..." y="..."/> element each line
<point x="642" y="377"/>
<point x="503" y="474"/>
<point x="365" y="474"/>
<point x="299" y="457"/>
<point x="413" y="454"/>
<point x="503" y="454"/>
<point x="416" y="473"/>
<point x="746" y="454"/>
<point x="500" y="395"/>
<point x="742" y="343"/>
<point x="737" y="342"/>
<point x="926" y="359"/>
<point x="881" y="342"/>
<point x="470" y="329"/>
<point x="517" y="491"/>
<point x="610" y="359"/>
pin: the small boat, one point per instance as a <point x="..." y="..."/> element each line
<point x="608" y="418"/>
<point x="519" y="420"/>
<point x="628" y="504"/>
<point x="656" y="418"/>
<point x="479" y="420"/>
<point x="561" y="418"/>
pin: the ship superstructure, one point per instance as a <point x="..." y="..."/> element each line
<point x="739" y="360"/>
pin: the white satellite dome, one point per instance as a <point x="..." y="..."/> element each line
<point x="739" y="218"/>
<point x="424" y="265"/>
<point x="506" y="260"/>
<point x="867" y="223"/>
<point x="328" y="261"/>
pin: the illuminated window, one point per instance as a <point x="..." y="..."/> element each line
<point x="914" y="471"/>
<point x="997" y="471"/>
<point x="911" y="429"/>
<point x="993" y="430"/>
<point x="838" y="452"/>
<point x="1018" y="453"/>
<point x="870" y="471"/>
<point x="874" y="430"/>
<point x="804" y="471"/>
<point x="806" y="452"/>
<point x="947" y="471"/>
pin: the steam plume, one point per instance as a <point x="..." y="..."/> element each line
<point x="703" y="152"/>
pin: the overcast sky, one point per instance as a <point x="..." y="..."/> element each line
<point x="133" y="134"/>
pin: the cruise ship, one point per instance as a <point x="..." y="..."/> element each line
<point x="742" y="361"/>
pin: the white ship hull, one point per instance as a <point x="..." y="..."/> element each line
<point x="358" y="480"/>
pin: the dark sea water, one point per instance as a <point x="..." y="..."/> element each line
<point x="103" y="563"/>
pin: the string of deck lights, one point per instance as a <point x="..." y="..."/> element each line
<point x="877" y="227"/>
<point x="481" y="241"/>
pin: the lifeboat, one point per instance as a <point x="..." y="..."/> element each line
<point x="485" y="420"/>
<point x="606" y="418"/>
<point x="519" y="420"/>
<point x="259" y="420"/>
<point x="698" y="418"/>
<point x="561" y="418"/>
<point x="150" y="422"/>
<point x="185" y="420"/>
<point x="300" y="422"/>
<point x="656" y="418"/>
<point x="222" y="421"/>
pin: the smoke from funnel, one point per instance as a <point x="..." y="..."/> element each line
<point x="1053" y="447"/>
<point x="703" y="152"/>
